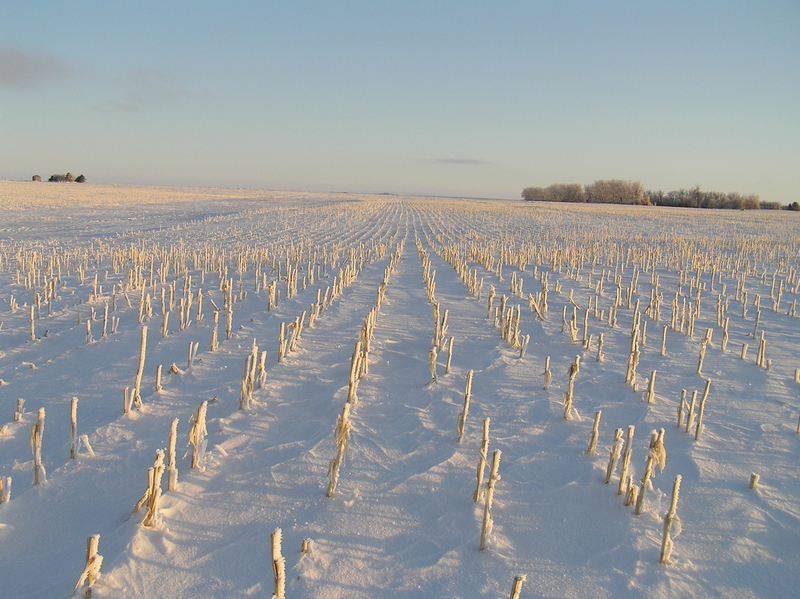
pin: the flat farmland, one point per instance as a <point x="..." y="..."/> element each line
<point x="346" y="368"/>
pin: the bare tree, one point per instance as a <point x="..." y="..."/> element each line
<point x="616" y="191"/>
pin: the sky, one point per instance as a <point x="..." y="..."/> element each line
<point x="475" y="99"/>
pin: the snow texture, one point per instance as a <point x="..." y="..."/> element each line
<point x="402" y="521"/>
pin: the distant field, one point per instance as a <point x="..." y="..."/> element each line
<point x="302" y="325"/>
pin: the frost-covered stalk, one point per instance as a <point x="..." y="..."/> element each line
<point x="761" y="353"/>
<point x="595" y="432"/>
<point x="516" y="588"/>
<point x="631" y="492"/>
<point x="342" y="435"/>
<point x="248" y="378"/>
<point x="199" y="316"/>
<point x="88" y="331"/>
<point x="486" y="529"/>
<point x="724" y="344"/>
<point x="91" y="572"/>
<point x="105" y="321"/>
<point x="754" y="478"/>
<point x="758" y="320"/>
<point x="33" y="328"/>
<point x="547" y="374"/>
<point x="671" y="520"/>
<point x="656" y="456"/>
<point x="681" y="407"/>
<point x="126" y="400"/>
<point x="436" y="324"/>
<point x="154" y="494"/>
<point x="137" y="386"/>
<point x="648" y="472"/>
<point x="5" y="489"/>
<point x="664" y="341"/>
<point x="432" y="364"/>
<point x="523" y="346"/>
<point x="214" y="331"/>
<point x="165" y="325"/>
<point x="229" y="322"/>
<point x="73" y="428"/>
<point x="278" y="565"/>
<point x="600" y="347"/>
<point x="690" y="413"/>
<point x="698" y="431"/>
<point x="462" y="419"/>
<point x="297" y="327"/>
<point x="442" y="330"/>
<point x="262" y="369"/>
<point x="37" y="431"/>
<point x="172" y="461"/>
<point x="586" y="326"/>
<point x="281" y="341"/>
<point x="20" y="410"/>
<point x="484" y="453"/>
<point x="158" y="378"/>
<point x="633" y="362"/>
<point x="626" y="460"/>
<point x="355" y="367"/>
<point x="573" y="372"/>
<point x="492" y="293"/>
<point x="616" y="447"/>
<point x="651" y="388"/>
<point x="197" y="434"/>
<point x="702" y="356"/>
<point x="449" y="355"/>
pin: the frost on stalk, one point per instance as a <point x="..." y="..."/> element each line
<point x="484" y="454"/>
<point x="574" y="369"/>
<point x="278" y="565"/>
<point x="595" y="433"/>
<point x="197" y="434"/>
<point x="547" y="374"/>
<point x="656" y="456"/>
<point x="342" y="436"/>
<point x="462" y="419"/>
<point x="672" y="524"/>
<point x="152" y="493"/>
<point x="516" y="589"/>
<point x="37" y="431"/>
<point x="486" y="529"/>
<point x="5" y="489"/>
<point x="91" y="572"/>
<point x="616" y="447"/>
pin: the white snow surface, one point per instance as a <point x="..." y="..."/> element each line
<point x="402" y="521"/>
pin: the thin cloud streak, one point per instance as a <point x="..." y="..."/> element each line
<point x="463" y="161"/>
<point x="143" y="89"/>
<point x="23" y="70"/>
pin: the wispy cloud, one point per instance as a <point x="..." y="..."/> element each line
<point x="24" y="70"/>
<point x="143" y="89"/>
<point x="464" y="161"/>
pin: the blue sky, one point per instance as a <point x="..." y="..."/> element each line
<point x="474" y="99"/>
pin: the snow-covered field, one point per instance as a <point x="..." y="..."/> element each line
<point x="401" y="521"/>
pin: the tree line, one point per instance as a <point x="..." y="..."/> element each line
<point x="616" y="191"/>
<point x="69" y="177"/>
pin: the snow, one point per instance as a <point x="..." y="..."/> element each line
<point x="402" y="521"/>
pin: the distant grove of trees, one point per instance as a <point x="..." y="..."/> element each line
<point x="69" y="177"/>
<point x="615" y="191"/>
